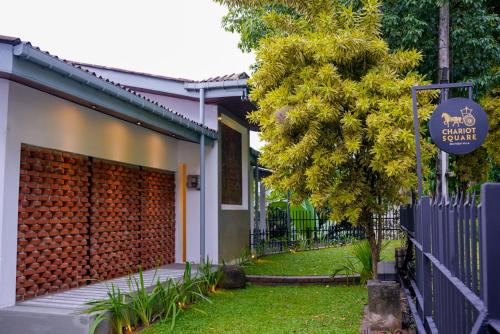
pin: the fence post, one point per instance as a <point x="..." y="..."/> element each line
<point x="490" y="248"/>
<point x="425" y="225"/>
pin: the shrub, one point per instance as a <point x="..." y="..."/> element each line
<point x="360" y="262"/>
<point x="165" y="301"/>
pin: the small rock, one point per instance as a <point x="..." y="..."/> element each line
<point x="233" y="277"/>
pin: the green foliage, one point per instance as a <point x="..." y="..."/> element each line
<point x="210" y="276"/>
<point x="474" y="36"/>
<point x="168" y="304"/>
<point x="334" y="107"/>
<point x="246" y="257"/>
<point x="141" y="301"/>
<point x="165" y="301"/>
<point x="483" y="164"/>
<point x="491" y="104"/>
<point x="360" y="263"/>
<point x="116" y="306"/>
<point x="474" y="56"/>
<point x="250" y="24"/>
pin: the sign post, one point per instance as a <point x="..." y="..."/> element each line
<point x="457" y="126"/>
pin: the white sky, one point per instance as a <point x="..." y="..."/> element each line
<point x="179" y="38"/>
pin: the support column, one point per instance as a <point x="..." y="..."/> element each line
<point x="9" y="189"/>
<point x="263" y="207"/>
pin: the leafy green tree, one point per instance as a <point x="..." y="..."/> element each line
<point x="249" y="22"/>
<point x="474" y="33"/>
<point x="475" y="55"/>
<point x="474" y="37"/>
<point x="335" y="110"/>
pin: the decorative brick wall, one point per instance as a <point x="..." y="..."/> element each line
<point x="115" y="219"/>
<point x="83" y="220"/>
<point x="53" y="222"/>
<point x="158" y="217"/>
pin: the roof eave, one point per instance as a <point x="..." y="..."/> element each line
<point x="30" y="54"/>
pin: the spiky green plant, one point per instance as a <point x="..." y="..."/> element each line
<point x="116" y="306"/>
<point x="141" y="300"/>
<point x="359" y="263"/>
<point x="209" y="276"/>
<point x="168" y="300"/>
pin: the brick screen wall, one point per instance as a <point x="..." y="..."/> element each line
<point x="83" y="220"/>
<point x="158" y="218"/>
<point x="52" y="252"/>
<point x="115" y="222"/>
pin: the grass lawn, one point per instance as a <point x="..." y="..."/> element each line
<point x="313" y="262"/>
<point x="278" y="309"/>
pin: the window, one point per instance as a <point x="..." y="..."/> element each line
<point x="231" y="172"/>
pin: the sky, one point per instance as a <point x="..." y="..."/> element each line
<point x="178" y="38"/>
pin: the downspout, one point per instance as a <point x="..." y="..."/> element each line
<point x="203" y="87"/>
<point x="202" y="176"/>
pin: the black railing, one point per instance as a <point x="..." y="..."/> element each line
<point x="453" y="274"/>
<point x="309" y="230"/>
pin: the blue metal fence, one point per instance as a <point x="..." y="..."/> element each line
<point x="454" y="278"/>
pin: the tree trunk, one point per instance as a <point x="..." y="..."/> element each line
<point x="372" y="240"/>
<point x="444" y="77"/>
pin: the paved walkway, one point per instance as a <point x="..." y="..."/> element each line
<point x="75" y="299"/>
<point x="60" y="313"/>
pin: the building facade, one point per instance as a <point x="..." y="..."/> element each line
<point x="99" y="169"/>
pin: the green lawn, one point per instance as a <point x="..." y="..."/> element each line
<point x="278" y="309"/>
<point x="313" y="262"/>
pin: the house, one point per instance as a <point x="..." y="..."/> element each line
<point x="100" y="171"/>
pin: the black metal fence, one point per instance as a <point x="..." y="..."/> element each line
<point x="309" y="230"/>
<point x="454" y="276"/>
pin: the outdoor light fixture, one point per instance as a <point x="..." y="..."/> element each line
<point x="139" y="123"/>
<point x="94" y="107"/>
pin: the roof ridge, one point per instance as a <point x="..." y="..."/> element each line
<point x="112" y="68"/>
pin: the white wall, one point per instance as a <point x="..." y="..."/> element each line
<point x="188" y="108"/>
<point x="33" y="117"/>
<point x="40" y="119"/>
<point x="189" y="154"/>
<point x="7" y="245"/>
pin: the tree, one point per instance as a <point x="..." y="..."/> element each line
<point x="474" y="53"/>
<point x="474" y="56"/>
<point x="335" y="110"/>
<point x="249" y="22"/>
<point x="474" y="37"/>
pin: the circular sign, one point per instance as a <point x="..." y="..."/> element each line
<point x="458" y="126"/>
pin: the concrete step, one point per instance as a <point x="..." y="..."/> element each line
<point x="60" y="313"/>
<point x="42" y="320"/>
